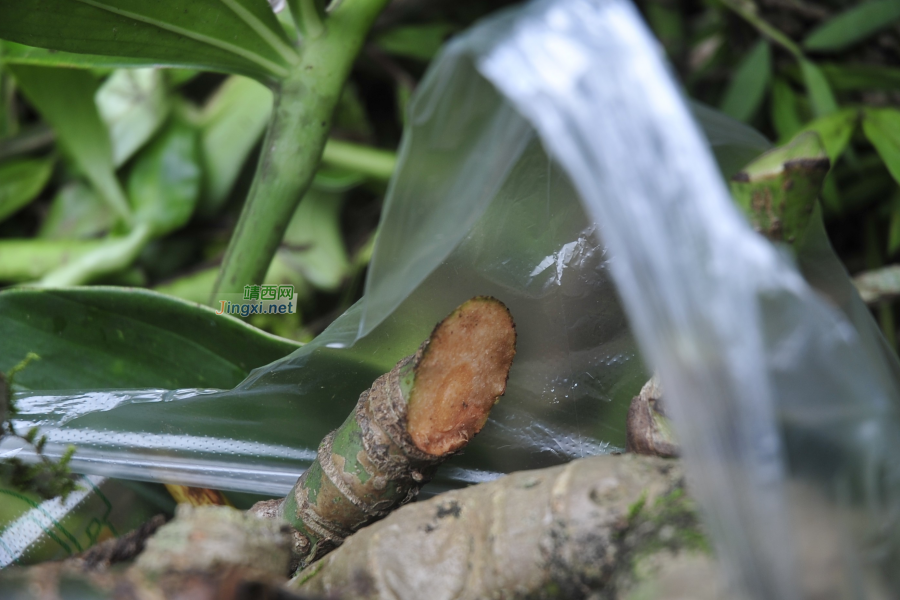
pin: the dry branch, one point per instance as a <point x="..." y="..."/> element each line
<point x="411" y="419"/>
<point x="596" y="527"/>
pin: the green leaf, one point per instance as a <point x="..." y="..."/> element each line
<point x="748" y="86"/>
<point x="76" y="213"/>
<point x="133" y="104"/>
<point x="313" y="249"/>
<point x="784" y="115"/>
<point x="240" y="36"/>
<point x="31" y="259"/>
<point x="882" y="127"/>
<point x="194" y="287"/>
<point x="231" y="124"/>
<point x="835" y="131"/>
<point x="65" y="98"/>
<point x="164" y="185"/>
<point x="853" y="25"/>
<point x="119" y="337"/>
<point x="20" y="54"/>
<point x="421" y="42"/>
<point x="20" y="182"/>
<point x="855" y="77"/>
<point x="820" y="95"/>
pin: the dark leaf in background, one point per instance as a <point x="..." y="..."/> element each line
<point x="421" y="42"/>
<point x="882" y="127"/>
<point x="164" y="184"/>
<point x="820" y="95"/>
<point x="784" y="115"/>
<point x="853" y="26"/>
<point x="128" y="338"/>
<point x="835" y="131"/>
<point x="748" y="86"/>
<point x="76" y="212"/>
<point x="20" y="182"/>
<point x="230" y="126"/>
<point x="134" y="105"/>
<point x="65" y="99"/>
<point x="855" y="77"/>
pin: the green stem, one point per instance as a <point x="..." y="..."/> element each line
<point x="372" y="162"/>
<point x="308" y="16"/>
<point x="300" y="124"/>
<point x="748" y="10"/>
<point x="114" y="255"/>
<point x="35" y="137"/>
<point x="27" y="260"/>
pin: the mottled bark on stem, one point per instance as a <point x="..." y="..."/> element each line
<point x="411" y="419"/>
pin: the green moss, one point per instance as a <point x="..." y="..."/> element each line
<point x="635" y="509"/>
<point x="667" y="525"/>
<point x="678" y="511"/>
<point x="308" y="574"/>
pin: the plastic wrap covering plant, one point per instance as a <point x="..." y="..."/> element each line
<point x="550" y="161"/>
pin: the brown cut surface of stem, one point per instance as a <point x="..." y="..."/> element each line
<point x="461" y="375"/>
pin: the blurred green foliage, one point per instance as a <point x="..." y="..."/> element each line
<point x="787" y="66"/>
<point x="113" y="171"/>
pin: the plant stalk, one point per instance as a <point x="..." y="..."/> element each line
<point x="750" y="13"/>
<point x="301" y="120"/>
<point x="114" y="255"/>
<point x="372" y="162"/>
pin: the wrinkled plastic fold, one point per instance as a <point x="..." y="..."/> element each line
<point x="551" y="161"/>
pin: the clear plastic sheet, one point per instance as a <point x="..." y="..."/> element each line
<point x="784" y="395"/>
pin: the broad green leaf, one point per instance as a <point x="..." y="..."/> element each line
<point x="882" y="127"/>
<point x="820" y="95"/>
<point x="31" y="259"/>
<point x="164" y="184"/>
<point x="133" y="104"/>
<point x="231" y="124"/>
<point x="65" y="98"/>
<point x="127" y="338"/>
<point x="240" y="36"/>
<point x="854" y="77"/>
<point x="20" y="54"/>
<point x="415" y="41"/>
<point x="76" y="213"/>
<point x="835" y="131"/>
<point x="20" y="182"/>
<point x="784" y="115"/>
<point x="748" y="86"/>
<point x="853" y="25"/>
<point x="313" y="247"/>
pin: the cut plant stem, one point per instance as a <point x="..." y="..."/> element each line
<point x="411" y="419"/>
